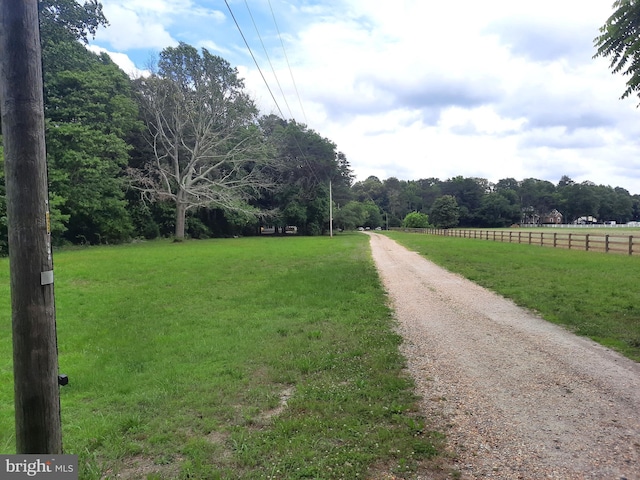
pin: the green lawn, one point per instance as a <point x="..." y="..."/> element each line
<point x="593" y="294"/>
<point x="181" y="355"/>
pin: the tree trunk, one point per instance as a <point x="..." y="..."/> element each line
<point x="181" y="215"/>
<point x="35" y="354"/>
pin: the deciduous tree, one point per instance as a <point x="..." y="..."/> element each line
<point x="202" y="127"/>
<point x="619" y="40"/>
<point x="445" y="212"/>
<point x="416" y="220"/>
<point x="350" y="216"/>
<point x="90" y="114"/>
<point x="61" y="19"/>
<point x="305" y="164"/>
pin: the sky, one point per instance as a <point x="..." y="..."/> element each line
<point x="416" y="88"/>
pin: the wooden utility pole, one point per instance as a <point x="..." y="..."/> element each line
<point x="330" y="211"/>
<point x="35" y="351"/>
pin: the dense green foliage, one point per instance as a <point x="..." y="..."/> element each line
<point x="305" y="163"/>
<point x="358" y="214"/>
<point x="90" y="114"/>
<point x="619" y="40"/>
<point x="181" y="362"/>
<point x="416" y="220"/>
<point x="480" y="203"/>
<point x="593" y="294"/>
<point x="64" y="19"/>
<point x="445" y="212"/>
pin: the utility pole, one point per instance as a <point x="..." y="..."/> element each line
<point x="35" y="351"/>
<point x="330" y="211"/>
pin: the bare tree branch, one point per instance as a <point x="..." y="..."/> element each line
<point x="208" y="150"/>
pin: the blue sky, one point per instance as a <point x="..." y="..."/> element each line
<point x="418" y="88"/>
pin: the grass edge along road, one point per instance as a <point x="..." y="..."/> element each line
<point x="592" y="294"/>
<point x="237" y="358"/>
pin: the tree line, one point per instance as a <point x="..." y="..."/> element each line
<point x="477" y="202"/>
<point x="184" y="152"/>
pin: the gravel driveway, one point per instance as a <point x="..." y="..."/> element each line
<point x="516" y="396"/>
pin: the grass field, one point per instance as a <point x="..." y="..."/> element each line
<point x="182" y="356"/>
<point x="592" y="294"/>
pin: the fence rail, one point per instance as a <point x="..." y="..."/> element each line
<point x="591" y="242"/>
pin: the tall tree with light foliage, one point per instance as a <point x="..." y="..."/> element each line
<point x="619" y="40"/>
<point x="202" y="127"/>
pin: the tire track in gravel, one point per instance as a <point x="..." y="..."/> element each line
<point x="517" y="397"/>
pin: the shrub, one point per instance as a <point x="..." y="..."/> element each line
<point x="416" y="220"/>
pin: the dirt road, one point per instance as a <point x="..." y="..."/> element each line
<point x="516" y="396"/>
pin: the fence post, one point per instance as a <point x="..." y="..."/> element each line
<point x="555" y="239"/>
<point x="606" y="243"/>
<point x="570" y="241"/>
<point x="530" y="238"/>
<point x="630" y="244"/>
<point x="541" y="239"/>
<point x="586" y="242"/>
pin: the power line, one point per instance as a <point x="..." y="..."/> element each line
<point x="269" y="59"/>
<point x="288" y="64"/>
<point x="304" y="157"/>
<point x="254" y="58"/>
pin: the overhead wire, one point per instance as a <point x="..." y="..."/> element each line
<point x="304" y="157"/>
<point x="269" y="59"/>
<point x="295" y="86"/>
<point x="254" y="58"/>
<point x="288" y="64"/>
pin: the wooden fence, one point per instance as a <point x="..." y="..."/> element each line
<point x="591" y="242"/>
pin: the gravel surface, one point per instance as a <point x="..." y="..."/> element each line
<point x="517" y="397"/>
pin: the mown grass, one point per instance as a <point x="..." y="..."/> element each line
<point x="593" y="294"/>
<point x="182" y="356"/>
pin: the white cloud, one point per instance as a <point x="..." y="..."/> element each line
<point x="488" y="109"/>
<point x="419" y="89"/>
<point x="153" y="24"/>
<point x="122" y="60"/>
<point x="131" y="29"/>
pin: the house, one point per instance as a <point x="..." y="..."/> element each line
<point x="588" y="220"/>
<point x="553" y="217"/>
<point x="531" y="217"/>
